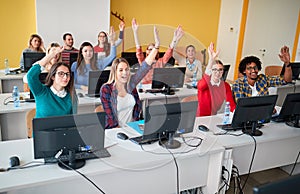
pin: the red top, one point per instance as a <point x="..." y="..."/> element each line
<point x="211" y="97"/>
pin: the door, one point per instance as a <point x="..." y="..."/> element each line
<point x="270" y="25"/>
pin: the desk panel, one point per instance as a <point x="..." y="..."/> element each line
<point x="7" y="82"/>
<point x="128" y="170"/>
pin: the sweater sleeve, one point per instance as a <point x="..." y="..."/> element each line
<point x="168" y="54"/>
<point x="229" y="97"/>
<point x="74" y="70"/>
<point x="102" y="63"/>
<point x="36" y="87"/>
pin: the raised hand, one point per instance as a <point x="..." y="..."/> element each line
<point x="178" y="33"/>
<point x="156" y="37"/>
<point x="285" y="55"/>
<point x="121" y="26"/>
<point x="112" y="35"/>
<point x="134" y="25"/>
<point x="211" y="53"/>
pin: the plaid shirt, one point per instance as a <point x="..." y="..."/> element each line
<point x="241" y="87"/>
<point x="109" y="94"/>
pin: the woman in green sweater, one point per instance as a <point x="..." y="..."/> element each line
<point x="57" y="96"/>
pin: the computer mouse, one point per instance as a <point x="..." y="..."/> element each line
<point x="122" y="136"/>
<point x="80" y="95"/>
<point x="203" y="128"/>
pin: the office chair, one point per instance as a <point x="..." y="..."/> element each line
<point x="29" y="117"/>
<point x="99" y="108"/>
<point x="273" y="70"/>
<point x="190" y="98"/>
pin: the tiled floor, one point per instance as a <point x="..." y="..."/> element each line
<point x="259" y="178"/>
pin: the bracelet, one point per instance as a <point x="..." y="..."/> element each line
<point x="289" y="65"/>
<point x="156" y="47"/>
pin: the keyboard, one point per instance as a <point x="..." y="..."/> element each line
<point x="228" y="127"/>
<point x="278" y="119"/>
<point x="154" y="91"/>
<point x="140" y="140"/>
<point x="103" y="153"/>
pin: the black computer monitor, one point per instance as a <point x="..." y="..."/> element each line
<point x="96" y="80"/>
<point x="72" y="58"/>
<point x="225" y="72"/>
<point x="163" y="121"/>
<point x="288" y="185"/>
<point x="295" y="70"/>
<point x="168" y="78"/>
<point x="81" y="133"/>
<point x="131" y="58"/>
<point x="290" y="111"/>
<point x="251" y="110"/>
<point x="30" y="58"/>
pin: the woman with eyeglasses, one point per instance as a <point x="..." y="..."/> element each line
<point x="87" y="61"/>
<point x="57" y="96"/>
<point x="57" y="58"/>
<point x="119" y="96"/>
<point x="213" y="92"/>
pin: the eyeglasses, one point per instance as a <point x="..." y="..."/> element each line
<point x="62" y="74"/>
<point x="255" y="68"/>
<point x="217" y="70"/>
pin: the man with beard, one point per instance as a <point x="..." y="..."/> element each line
<point x="254" y="84"/>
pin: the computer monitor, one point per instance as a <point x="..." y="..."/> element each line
<point x="72" y="58"/>
<point x="295" y="70"/>
<point x="290" y="111"/>
<point x="251" y="110"/>
<point x="168" y="78"/>
<point x="225" y="72"/>
<point x="96" y="80"/>
<point x="287" y="185"/>
<point x="131" y="58"/>
<point x="42" y="78"/>
<point x="163" y="121"/>
<point x="81" y="133"/>
<point x="30" y="58"/>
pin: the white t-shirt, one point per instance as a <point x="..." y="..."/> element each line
<point x="254" y="91"/>
<point x="124" y="108"/>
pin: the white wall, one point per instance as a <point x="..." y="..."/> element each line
<point x="228" y="32"/>
<point x="82" y="18"/>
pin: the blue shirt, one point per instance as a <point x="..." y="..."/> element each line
<point x="102" y="63"/>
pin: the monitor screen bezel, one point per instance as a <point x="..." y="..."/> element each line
<point x="101" y="76"/>
<point x="68" y="132"/>
<point x="30" y="58"/>
<point x="161" y="77"/>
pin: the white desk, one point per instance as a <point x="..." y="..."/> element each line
<point x="13" y="120"/>
<point x="128" y="170"/>
<point x="7" y="82"/>
<point x="278" y="146"/>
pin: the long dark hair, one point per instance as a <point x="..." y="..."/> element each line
<point x="49" y="81"/>
<point x="106" y="44"/>
<point x="80" y="60"/>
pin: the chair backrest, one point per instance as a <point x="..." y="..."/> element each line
<point x="29" y="117"/>
<point x="273" y="70"/>
<point x="190" y="98"/>
<point x="99" y="108"/>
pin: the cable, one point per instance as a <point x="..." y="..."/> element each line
<point x="26" y="165"/>
<point x="177" y="169"/>
<point x="291" y="173"/>
<point x="6" y="101"/>
<point x="57" y="155"/>
<point x="250" y="163"/>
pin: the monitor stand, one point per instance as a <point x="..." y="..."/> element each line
<point x="253" y="131"/>
<point x="170" y="142"/>
<point x="294" y="122"/>
<point x="72" y="163"/>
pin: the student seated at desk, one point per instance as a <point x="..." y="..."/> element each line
<point x="212" y="90"/>
<point x="254" y="84"/>
<point x="87" y="61"/>
<point x="35" y="44"/>
<point x="119" y="96"/>
<point x="57" y="97"/>
<point x="193" y="65"/>
<point x="160" y="62"/>
<point x="48" y="66"/>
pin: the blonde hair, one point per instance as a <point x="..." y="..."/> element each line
<point x="54" y="44"/>
<point x="113" y="70"/>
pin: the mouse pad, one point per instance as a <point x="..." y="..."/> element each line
<point x="138" y="126"/>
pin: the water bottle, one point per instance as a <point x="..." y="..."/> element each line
<point x="226" y="118"/>
<point x="140" y="87"/>
<point x="6" y="66"/>
<point x="194" y="81"/>
<point x="16" y="97"/>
